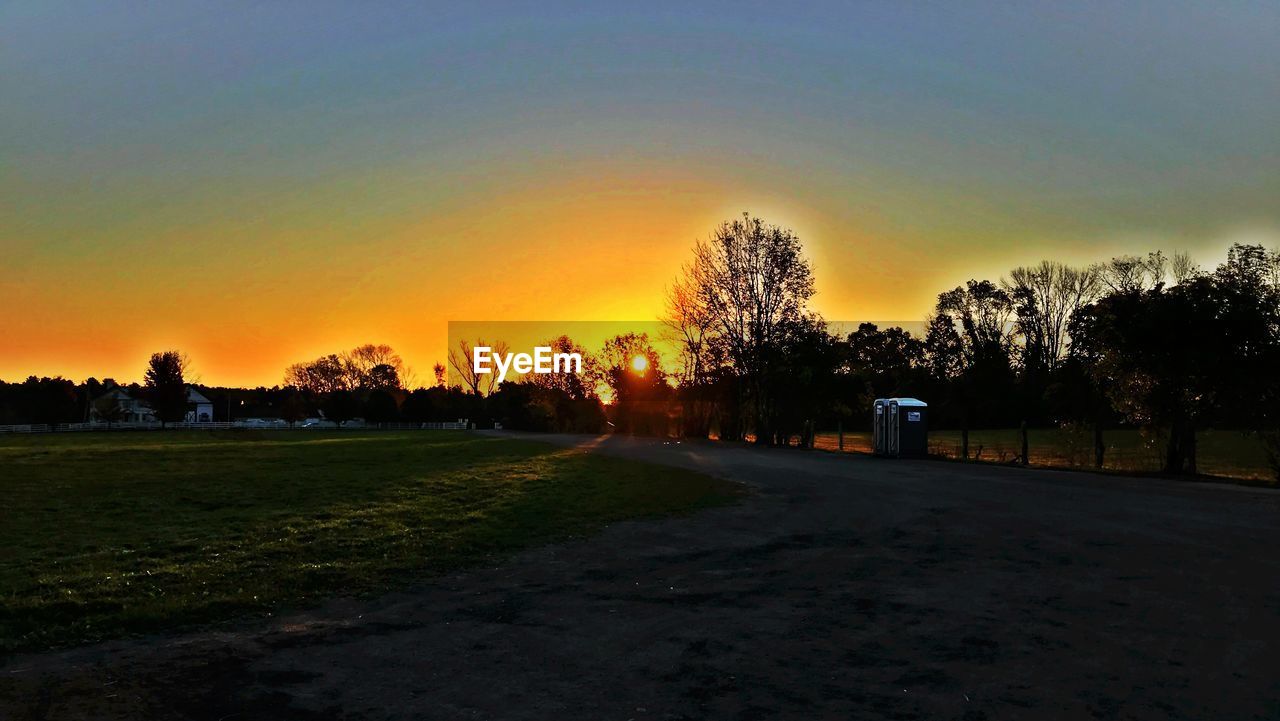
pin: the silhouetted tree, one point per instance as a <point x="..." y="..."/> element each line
<point x="461" y="359"/>
<point x="525" y="405"/>
<point x="381" y="407"/>
<point x="40" y="400"/>
<point x="340" y="406"/>
<point x="362" y="368"/>
<point x="969" y="341"/>
<point x="418" y="406"/>
<point x="745" y="285"/>
<point x="632" y="369"/>
<point x="319" y="377"/>
<point x="1171" y="358"/>
<point x="1044" y="298"/>
<point x="293" y="407"/>
<point x="382" y="377"/>
<point x="884" y="363"/>
<point x="1129" y="273"/>
<point x="164" y="386"/>
<point x="803" y="377"/>
<point x="688" y="322"/>
<point x="575" y="385"/>
<point x="373" y="366"/>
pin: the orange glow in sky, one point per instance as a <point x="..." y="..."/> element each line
<point x="255" y="186"/>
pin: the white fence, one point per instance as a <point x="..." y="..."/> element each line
<point x="460" y="425"/>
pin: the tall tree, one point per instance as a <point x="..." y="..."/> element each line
<point x="1044" y="297"/>
<point x="804" y="378"/>
<point x="1173" y="358"/>
<point x="753" y="282"/>
<point x="969" y="341"/>
<point x="688" y="323"/>
<point x="165" y="387"/>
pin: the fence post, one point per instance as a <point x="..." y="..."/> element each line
<point x="1099" y="448"/>
<point x="1025" y="459"/>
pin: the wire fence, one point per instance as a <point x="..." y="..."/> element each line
<point x="1220" y="452"/>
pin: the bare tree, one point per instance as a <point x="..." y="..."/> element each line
<point x="754" y="282"/>
<point x="976" y="321"/>
<point x="461" y="360"/>
<point x="1182" y="267"/>
<point x="1129" y="273"/>
<point x="1045" y="296"/>
<point x="687" y="323"/>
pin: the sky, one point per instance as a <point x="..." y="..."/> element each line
<point x="257" y="184"/>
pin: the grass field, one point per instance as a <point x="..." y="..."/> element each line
<point x="1229" y="454"/>
<point x="109" y="534"/>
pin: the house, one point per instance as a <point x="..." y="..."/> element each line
<point x="133" y="409"/>
<point x="128" y="409"/>
<point x="199" y="408"/>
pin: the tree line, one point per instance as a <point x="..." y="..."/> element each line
<point x="1150" y="342"/>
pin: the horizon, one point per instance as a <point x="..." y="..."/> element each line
<point x="261" y="186"/>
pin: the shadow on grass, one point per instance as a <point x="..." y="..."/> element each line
<point x="112" y="541"/>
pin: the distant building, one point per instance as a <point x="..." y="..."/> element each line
<point x="133" y="409"/>
<point x="199" y="408"/>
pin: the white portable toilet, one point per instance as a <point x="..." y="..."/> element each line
<point x="899" y="427"/>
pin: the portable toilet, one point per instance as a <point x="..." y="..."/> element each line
<point x="906" y="427"/>
<point x="879" y="433"/>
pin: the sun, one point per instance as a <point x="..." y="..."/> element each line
<point x="639" y="364"/>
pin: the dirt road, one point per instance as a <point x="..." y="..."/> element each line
<point x="843" y="587"/>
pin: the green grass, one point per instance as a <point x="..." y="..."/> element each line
<point x="109" y="534"/>
<point x="1229" y="454"/>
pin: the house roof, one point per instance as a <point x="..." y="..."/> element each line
<point x="116" y="392"/>
<point x="193" y="395"/>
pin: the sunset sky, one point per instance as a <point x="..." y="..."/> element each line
<point x="260" y="183"/>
